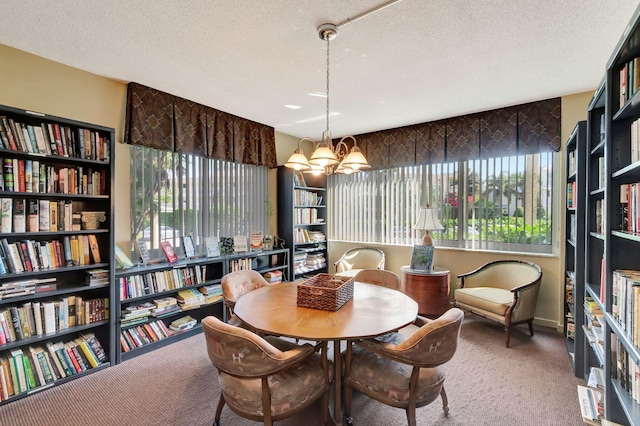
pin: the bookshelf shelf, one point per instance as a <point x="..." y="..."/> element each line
<point x="52" y="252"/>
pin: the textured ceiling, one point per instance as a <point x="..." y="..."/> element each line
<point x="411" y="62"/>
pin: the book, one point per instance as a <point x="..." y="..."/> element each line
<point x="169" y="252"/>
<point x="212" y="245"/>
<point x="189" y="246"/>
<point x="19" y="215"/>
<point x="422" y="258"/>
<point x="240" y="244"/>
<point x="143" y="251"/>
<point x="17" y="358"/>
<point x="6" y="215"/>
<point x="95" y="248"/>
<point x="122" y="260"/>
<point x="256" y="241"/>
<point x="43" y="216"/>
<point x="33" y="219"/>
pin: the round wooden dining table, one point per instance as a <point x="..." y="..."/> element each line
<point x="372" y="311"/>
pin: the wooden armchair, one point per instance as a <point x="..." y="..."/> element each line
<point x="266" y="379"/>
<point x="404" y="371"/>
<point x="234" y="285"/>
<point x="356" y="259"/>
<point x="504" y="290"/>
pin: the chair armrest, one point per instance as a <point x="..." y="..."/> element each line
<point x="523" y="286"/>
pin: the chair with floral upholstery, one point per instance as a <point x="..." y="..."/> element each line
<point x="266" y="379"/>
<point x="234" y="285"/>
<point x="404" y="371"/>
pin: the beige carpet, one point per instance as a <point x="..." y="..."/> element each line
<point x="487" y="384"/>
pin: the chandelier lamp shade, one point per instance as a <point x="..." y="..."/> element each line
<point x="428" y="221"/>
<point x="329" y="158"/>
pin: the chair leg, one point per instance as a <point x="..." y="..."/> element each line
<point x="411" y="414"/>
<point x="221" y="402"/>
<point x="507" y="331"/>
<point x="531" y="327"/>
<point x="445" y="402"/>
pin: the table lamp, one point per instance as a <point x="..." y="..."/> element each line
<point x="427" y="221"/>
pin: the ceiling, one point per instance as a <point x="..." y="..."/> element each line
<point x="411" y="62"/>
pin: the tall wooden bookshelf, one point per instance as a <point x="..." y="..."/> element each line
<point x="575" y="241"/>
<point x="612" y="251"/>
<point x="53" y="170"/>
<point x="302" y="220"/>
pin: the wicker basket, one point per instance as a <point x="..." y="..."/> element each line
<point x="325" y="291"/>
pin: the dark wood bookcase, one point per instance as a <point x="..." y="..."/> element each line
<point x="78" y="177"/>
<point x="611" y="244"/>
<point x="203" y="272"/>
<point x="302" y="221"/>
<point x="574" y="241"/>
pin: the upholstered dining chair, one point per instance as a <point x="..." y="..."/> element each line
<point x="404" y="371"/>
<point x="380" y="277"/>
<point x="505" y="291"/>
<point x="234" y="285"/>
<point x="355" y="259"/>
<point x="266" y="379"/>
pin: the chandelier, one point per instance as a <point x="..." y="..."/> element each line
<point x="329" y="158"/>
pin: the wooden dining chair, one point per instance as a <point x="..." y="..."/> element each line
<point x="266" y="379"/>
<point x="404" y="371"/>
<point x="234" y="285"/>
<point x="380" y="277"/>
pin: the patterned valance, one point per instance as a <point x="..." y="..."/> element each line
<point x="523" y="129"/>
<point x="159" y="120"/>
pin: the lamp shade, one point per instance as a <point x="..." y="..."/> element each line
<point x="298" y="161"/>
<point x="323" y="156"/>
<point x="428" y="220"/>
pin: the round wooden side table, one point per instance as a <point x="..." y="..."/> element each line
<point x="429" y="289"/>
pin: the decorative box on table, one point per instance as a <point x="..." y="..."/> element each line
<point x="325" y="291"/>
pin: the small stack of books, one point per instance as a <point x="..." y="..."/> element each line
<point x="97" y="277"/>
<point x="136" y="314"/>
<point x="212" y="293"/>
<point x="190" y="299"/>
<point x="274" y="277"/>
<point x="164" y="307"/>
<point x="182" y="324"/>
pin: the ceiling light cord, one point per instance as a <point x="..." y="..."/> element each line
<point x="328" y="39"/>
<point x="366" y="13"/>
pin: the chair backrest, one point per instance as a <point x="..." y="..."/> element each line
<point x="361" y="258"/>
<point x="504" y="274"/>
<point x="242" y="353"/>
<point x="432" y="344"/>
<point x="380" y="277"/>
<point x="237" y="283"/>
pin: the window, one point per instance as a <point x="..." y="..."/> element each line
<point x="494" y="204"/>
<point x="179" y="194"/>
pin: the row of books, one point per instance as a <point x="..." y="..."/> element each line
<point x="630" y="207"/>
<point x="302" y="235"/>
<point x="34" y="176"/>
<point x="43" y="317"/>
<point x="571" y="167"/>
<point x="593" y="327"/>
<point x="140" y="335"/>
<point x="53" y="139"/>
<point x="592" y="397"/>
<point x="625" y="305"/>
<point x="306" y="262"/>
<point x="273" y="277"/>
<point x="307" y="198"/>
<point x="307" y="216"/>
<point x="33" y="367"/>
<point x="31" y="255"/>
<point x="571" y="195"/>
<point x="159" y="281"/>
<point x="629" y="80"/>
<point x="625" y="371"/>
<point x="18" y="215"/>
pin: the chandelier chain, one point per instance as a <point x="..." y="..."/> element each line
<point x="327" y="38"/>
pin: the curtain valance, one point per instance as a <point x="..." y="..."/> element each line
<point x="522" y="129"/>
<point x="159" y="120"/>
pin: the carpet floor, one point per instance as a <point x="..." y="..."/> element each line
<point x="530" y="383"/>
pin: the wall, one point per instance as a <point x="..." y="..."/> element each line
<point x="30" y="82"/>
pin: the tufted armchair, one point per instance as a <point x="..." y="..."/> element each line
<point x="234" y="285"/>
<point x="265" y="379"/>
<point x="379" y="277"/>
<point x="504" y="290"/>
<point x="404" y="370"/>
<point x="356" y="259"/>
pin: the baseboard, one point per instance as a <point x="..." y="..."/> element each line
<point x="549" y="323"/>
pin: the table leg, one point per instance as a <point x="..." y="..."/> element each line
<point x="337" y="383"/>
